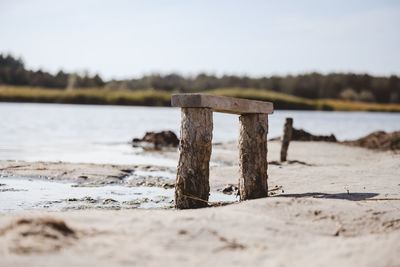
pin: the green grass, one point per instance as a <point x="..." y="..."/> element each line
<point x="161" y="98"/>
<point x="84" y="96"/>
<point x="342" y="105"/>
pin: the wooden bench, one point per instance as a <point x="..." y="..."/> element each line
<point x="192" y="181"/>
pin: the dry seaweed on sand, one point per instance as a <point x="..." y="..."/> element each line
<point x="378" y="140"/>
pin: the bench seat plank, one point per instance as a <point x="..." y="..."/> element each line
<point x="222" y="104"/>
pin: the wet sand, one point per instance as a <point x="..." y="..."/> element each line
<point x="338" y="206"/>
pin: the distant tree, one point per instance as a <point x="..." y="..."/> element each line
<point x="72" y="81"/>
<point x="366" y="96"/>
<point x="314" y="85"/>
<point x="349" y="94"/>
<point x="97" y="81"/>
<point x="394" y="88"/>
<point x="13" y="72"/>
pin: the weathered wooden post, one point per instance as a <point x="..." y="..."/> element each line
<point x="253" y="156"/>
<point x="192" y="186"/>
<point x="192" y="179"/>
<point x="287" y="136"/>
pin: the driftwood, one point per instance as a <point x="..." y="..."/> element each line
<point x="195" y="151"/>
<point x="222" y="104"/>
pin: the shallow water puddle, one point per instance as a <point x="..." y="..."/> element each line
<point x="18" y="194"/>
<point x="161" y="174"/>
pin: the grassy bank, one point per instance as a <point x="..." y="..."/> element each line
<point x="161" y="98"/>
<point x="84" y="96"/>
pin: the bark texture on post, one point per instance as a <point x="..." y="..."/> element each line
<point x="192" y="179"/>
<point x="253" y="156"/>
<point x="287" y="136"/>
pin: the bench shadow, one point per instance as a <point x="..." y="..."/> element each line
<point x="347" y="196"/>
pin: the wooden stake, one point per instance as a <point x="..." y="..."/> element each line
<point x="287" y="136"/>
<point x="192" y="178"/>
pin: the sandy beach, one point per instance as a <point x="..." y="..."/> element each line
<point x="199" y="133"/>
<point x="337" y="205"/>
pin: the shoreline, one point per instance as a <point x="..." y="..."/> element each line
<point x="322" y="211"/>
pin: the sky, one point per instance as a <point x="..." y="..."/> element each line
<point x="126" y="39"/>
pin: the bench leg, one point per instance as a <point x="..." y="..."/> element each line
<point x="192" y="179"/>
<point x="253" y="156"/>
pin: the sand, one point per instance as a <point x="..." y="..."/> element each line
<point x="338" y="208"/>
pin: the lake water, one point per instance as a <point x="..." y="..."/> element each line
<point x="100" y="134"/>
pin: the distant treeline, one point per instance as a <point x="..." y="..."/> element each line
<point x="347" y="86"/>
<point x="13" y="72"/>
